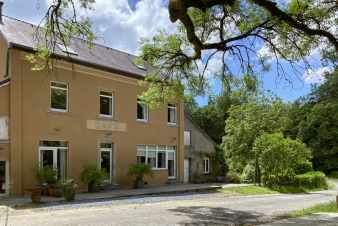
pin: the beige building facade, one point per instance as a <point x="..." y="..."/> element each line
<point x="80" y="113"/>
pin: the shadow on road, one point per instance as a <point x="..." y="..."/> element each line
<point x="204" y="215"/>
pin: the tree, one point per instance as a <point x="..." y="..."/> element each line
<point x="246" y="122"/>
<point x="278" y="159"/>
<point x="210" y="29"/>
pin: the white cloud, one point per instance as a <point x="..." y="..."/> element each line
<point x="117" y="25"/>
<point x="316" y="76"/>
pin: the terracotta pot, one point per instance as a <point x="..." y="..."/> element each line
<point x="36" y="195"/>
<point x="51" y="190"/>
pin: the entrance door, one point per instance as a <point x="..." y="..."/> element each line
<point x="106" y="159"/>
<point x="55" y="158"/>
<point x="186" y="170"/>
<point x="3" y="177"/>
<point x="171" y="164"/>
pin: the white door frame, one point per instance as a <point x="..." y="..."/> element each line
<point x="55" y="154"/>
<point x="110" y="150"/>
<point x="186" y="176"/>
<point x="172" y="151"/>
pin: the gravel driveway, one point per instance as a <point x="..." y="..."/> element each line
<point x="187" y="209"/>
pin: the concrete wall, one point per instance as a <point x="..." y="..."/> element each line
<point x="33" y="121"/>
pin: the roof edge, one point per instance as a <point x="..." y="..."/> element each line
<point x="81" y="62"/>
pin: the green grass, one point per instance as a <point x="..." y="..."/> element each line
<point x="259" y="190"/>
<point x="325" y="207"/>
<point x="248" y="190"/>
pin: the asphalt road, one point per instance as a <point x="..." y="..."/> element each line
<point x="188" y="209"/>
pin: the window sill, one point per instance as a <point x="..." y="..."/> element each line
<point x="58" y="110"/>
<point x="159" y="169"/>
<point x="172" y="124"/>
<point x="142" y="120"/>
<point x="106" y="117"/>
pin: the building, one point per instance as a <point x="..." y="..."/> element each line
<point x="84" y="111"/>
<point x="199" y="153"/>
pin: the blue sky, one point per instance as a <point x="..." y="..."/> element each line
<point x="121" y="23"/>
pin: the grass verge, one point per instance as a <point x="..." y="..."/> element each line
<point x="325" y="207"/>
<point x="259" y="190"/>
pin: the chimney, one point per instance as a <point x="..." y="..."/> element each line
<point x="1" y="4"/>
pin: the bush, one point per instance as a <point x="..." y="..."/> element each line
<point x="280" y="158"/>
<point x="138" y="171"/>
<point x="314" y="179"/>
<point x="45" y="175"/>
<point x="248" y="175"/>
<point x="93" y="176"/>
<point x="334" y="174"/>
<point x="233" y="177"/>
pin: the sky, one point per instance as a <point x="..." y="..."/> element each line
<point x="121" y="24"/>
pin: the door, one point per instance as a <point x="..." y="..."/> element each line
<point x="55" y="158"/>
<point x="106" y="159"/>
<point x="3" y="175"/>
<point x="171" y="165"/>
<point x="186" y="170"/>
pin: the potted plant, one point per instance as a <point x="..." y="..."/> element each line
<point x="138" y="171"/>
<point x="93" y="176"/>
<point x="35" y="194"/>
<point x="69" y="187"/>
<point x="47" y="177"/>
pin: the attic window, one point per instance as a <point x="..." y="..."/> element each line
<point x="67" y="49"/>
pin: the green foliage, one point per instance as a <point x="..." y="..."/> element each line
<point x="138" y="171"/>
<point x="334" y="174"/>
<point x="45" y="175"/>
<point x="330" y="207"/>
<point x="278" y="158"/>
<point x="91" y="174"/>
<point x="248" y="190"/>
<point x="233" y="177"/>
<point x="311" y="180"/>
<point x="245" y="123"/>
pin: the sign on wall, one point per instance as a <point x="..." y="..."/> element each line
<point x="4" y="128"/>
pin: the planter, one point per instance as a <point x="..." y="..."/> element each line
<point x="69" y="193"/>
<point x="35" y="195"/>
<point x="51" y="190"/>
<point x="92" y="187"/>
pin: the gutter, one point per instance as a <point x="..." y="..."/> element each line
<point x="81" y="62"/>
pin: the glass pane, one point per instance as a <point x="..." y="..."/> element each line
<point x="62" y="164"/>
<point x="105" y="105"/>
<point x="106" y="145"/>
<point x="161" y="159"/>
<point x="105" y="161"/>
<point x="48" y="143"/>
<point x="171" y="168"/>
<point x="47" y="158"/>
<point x="59" y="99"/>
<point x="2" y="176"/>
<point x="152" y="158"/>
<point x="171" y="156"/>
<point x="141" y="159"/>
<point x="187" y="138"/>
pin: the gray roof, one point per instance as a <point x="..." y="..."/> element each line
<point x="20" y="34"/>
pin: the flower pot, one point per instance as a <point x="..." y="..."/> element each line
<point x="92" y="187"/>
<point x="51" y="190"/>
<point x="69" y="193"/>
<point x="35" y="194"/>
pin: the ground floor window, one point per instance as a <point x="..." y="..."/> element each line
<point x="157" y="156"/>
<point x="3" y="177"/>
<point x="54" y="154"/>
<point x="206" y="165"/>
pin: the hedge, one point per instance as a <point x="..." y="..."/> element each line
<point x="313" y="179"/>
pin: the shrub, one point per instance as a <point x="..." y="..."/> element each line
<point x="334" y="174"/>
<point x="314" y="179"/>
<point x="138" y="171"/>
<point x="45" y="175"/>
<point x="248" y="175"/>
<point x="93" y="176"/>
<point x="280" y="158"/>
<point x="233" y="177"/>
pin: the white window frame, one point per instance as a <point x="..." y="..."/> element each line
<point x="175" y="164"/>
<point x="185" y="138"/>
<point x="146" y="111"/>
<point x="110" y="150"/>
<point x="206" y="170"/>
<point x="112" y="103"/>
<point x="67" y="95"/>
<point x="175" y="110"/>
<point x="158" y="149"/>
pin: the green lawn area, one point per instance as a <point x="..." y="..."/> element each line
<point x="248" y="190"/>
<point x="257" y="190"/>
<point x="325" y="207"/>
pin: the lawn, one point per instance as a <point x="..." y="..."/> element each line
<point x="259" y="190"/>
<point x="325" y="207"/>
<point x="248" y="190"/>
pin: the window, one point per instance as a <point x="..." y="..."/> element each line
<point x="4" y="128"/>
<point x="171" y="114"/>
<point x="153" y="155"/>
<point x="187" y="138"/>
<point x="206" y="165"/>
<point x="59" y="96"/>
<point x="142" y="111"/>
<point x="106" y="104"/>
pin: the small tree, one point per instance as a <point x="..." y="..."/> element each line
<point x="138" y="171"/>
<point x="93" y="176"/>
<point x="279" y="158"/>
